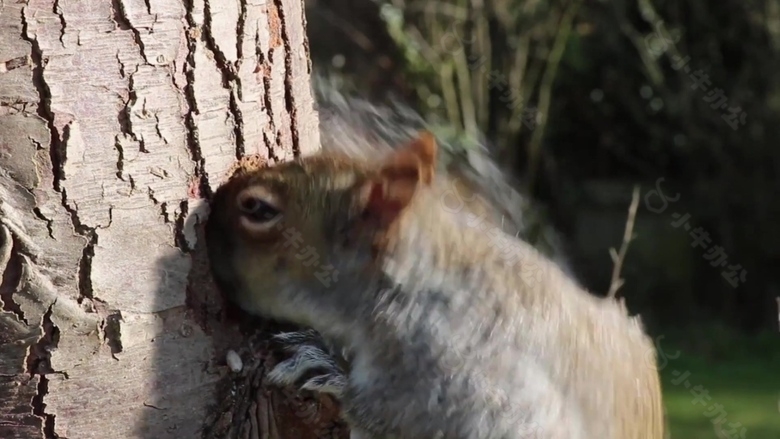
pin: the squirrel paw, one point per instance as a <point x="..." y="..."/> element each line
<point x="307" y="358"/>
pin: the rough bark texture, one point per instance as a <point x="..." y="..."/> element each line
<point x="117" y="118"/>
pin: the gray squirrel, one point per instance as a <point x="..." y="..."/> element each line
<point x="444" y="332"/>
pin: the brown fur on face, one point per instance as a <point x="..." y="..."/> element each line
<point x="320" y="200"/>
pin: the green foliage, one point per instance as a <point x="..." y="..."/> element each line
<point x="739" y="373"/>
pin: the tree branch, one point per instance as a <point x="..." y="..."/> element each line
<point x="618" y="257"/>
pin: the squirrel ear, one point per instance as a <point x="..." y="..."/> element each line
<point x="391" y="191"/>
<point x="423" y="147"/>
<point x="414" y="161"/>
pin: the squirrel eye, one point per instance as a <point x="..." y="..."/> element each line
<point x="257" y="209"/>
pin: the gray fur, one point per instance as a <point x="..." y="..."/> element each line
<point x="452" y="341"/>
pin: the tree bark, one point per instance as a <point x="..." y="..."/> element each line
<point x="117" y="119"/>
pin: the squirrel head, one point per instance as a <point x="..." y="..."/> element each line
<point x="277" y="232"/>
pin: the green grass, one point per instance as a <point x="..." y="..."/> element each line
<point x="743" y="379"/>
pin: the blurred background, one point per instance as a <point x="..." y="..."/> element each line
<point x="583" y="101"/>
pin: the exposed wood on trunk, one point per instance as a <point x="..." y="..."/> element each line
<point x="116" y="120"/>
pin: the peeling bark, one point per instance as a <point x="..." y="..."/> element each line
<point x="117" y="120"/>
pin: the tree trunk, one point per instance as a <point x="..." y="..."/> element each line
<point x="117" y="119"/>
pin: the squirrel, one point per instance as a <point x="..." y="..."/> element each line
<point x="446" y="337"/>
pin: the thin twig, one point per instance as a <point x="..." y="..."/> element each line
<point x="628" y="235"/>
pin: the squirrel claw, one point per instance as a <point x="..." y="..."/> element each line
<point x="332" y="384"/>
<point x="306" y="358"/>
<point x="292" y="341"/>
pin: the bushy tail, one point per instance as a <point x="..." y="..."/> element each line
<point x="354" y="126"/>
